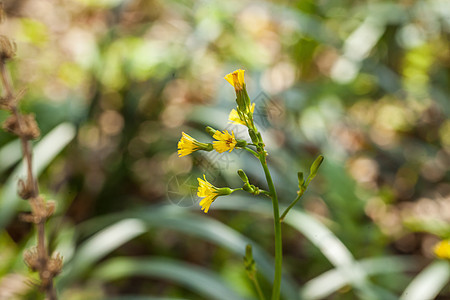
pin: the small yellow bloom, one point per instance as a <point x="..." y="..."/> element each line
<point x="442" y="249"/>
<point x="209" y="192"/>
<point x="236" y="79"/>
<point x="188" y="144"/>
<point x="234" y="116"/>
<point x="225" y="141"/>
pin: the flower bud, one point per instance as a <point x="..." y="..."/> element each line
<point x="211" y="131"/>
<point x="241" y="143"/>
<point x="315" y="167"/>
<point x="248" y="188"/>
<point x="301" y="180"/>
<point x="249" y="262"/>
<point x="253" y="136"/>
<point x="243" y="176"/>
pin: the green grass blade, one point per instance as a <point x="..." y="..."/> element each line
<point x="98" y="246"/>
<point x="44" y="152"/>
<point x="331" y="281"/>
<point x="428" y="283"/>
<point x="199" y="280"/>
<point x="10" y="154"/>
<point x="183" y="221"/>
<point x="131" y="297"/>
<point x="318" y="234"/>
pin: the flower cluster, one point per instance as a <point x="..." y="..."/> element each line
<point x="224" y="140"/>
<point x="243" y="114"/>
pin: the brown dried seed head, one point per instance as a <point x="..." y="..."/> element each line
<point x="28" y="218"/>
<point x="7" y="48"/>
<point x="31" y="258"/>
<point x="31" y="130"/>
<point x="11" y="124"/>
<point x="24" y="190"/>
<point x="38" y="208"/>
<point x="55" y="264"/>
<point x="27" y="127"/>
<point x="10" y="101"/>
<point x="51" y="206"/>
<point x="5" y="103"/>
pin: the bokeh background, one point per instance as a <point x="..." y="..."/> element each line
<point x="113" y="83"/>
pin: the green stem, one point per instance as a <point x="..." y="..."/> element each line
<point x="252" y="151"/>
<point x="266" y="193"/>
<point x="257" y="287"/>
<point x="277" y="227"/>
<point x="300" y="194"/>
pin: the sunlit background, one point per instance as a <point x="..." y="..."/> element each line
<point x="113" y="83"/>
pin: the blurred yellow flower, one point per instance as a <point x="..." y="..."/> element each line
<point x="209" y="192"/>
<point x="225" y="141"/>
<point x="234" y="116"/>
<point x="442" y="249"/>
<point x="236" y="79"/>
<point x="188" y="144"/>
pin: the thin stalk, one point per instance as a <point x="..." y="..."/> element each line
<point x="252" y="151"/>
<point x="32" y="183"/>
<point x="257" y="287"/>
<point x="277" y="228"/>
<point x="264" y="192"/>
<point x="26" y="148"/>
<point x="299" y="195"/>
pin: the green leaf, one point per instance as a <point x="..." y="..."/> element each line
<point x="301" y="180"/>
<point x="428" y="283"/>
<point x="197" y="279"/>
<point x="99" y="245"/>
<point x="331" y="281"/>
<point x="314" y="168"/>
<point x="318" y="234"/>
<point x="132" y="297"/>
<point x="44" y="152"/>
<point x="10" y="154"/>
<point x="183" y="221"/>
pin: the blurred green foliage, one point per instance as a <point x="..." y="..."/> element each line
<point x="364" y="83"/>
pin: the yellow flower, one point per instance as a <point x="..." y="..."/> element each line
<point x="236" y="79"/>
<point x="209" y="192"/>
<point x="188" y="144"/>
<point x="225" y="141"/>
<point x="442" y="249"/>
<point x="234" y="116"/>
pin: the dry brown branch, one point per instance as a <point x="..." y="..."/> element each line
<point x="26" y="128"/>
